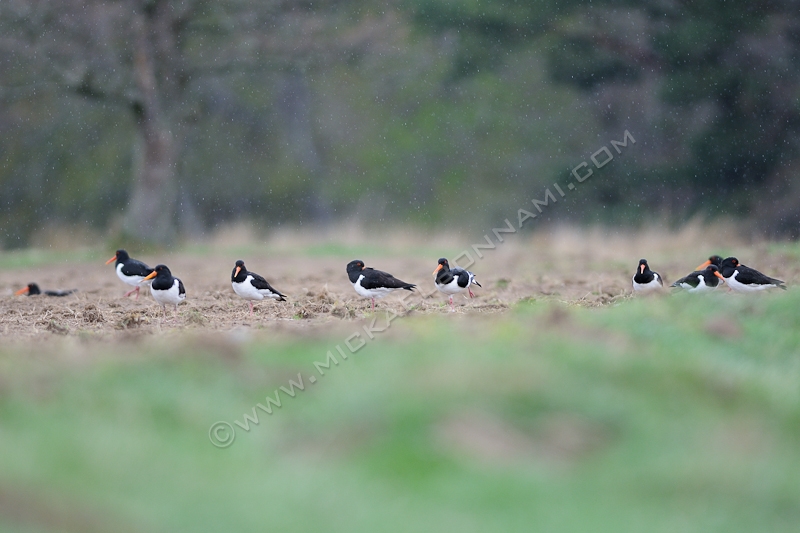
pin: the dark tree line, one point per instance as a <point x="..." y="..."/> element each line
<point x="714" y="86"/>
<point x="161" y="61"/>
<point x="159" y="115"/>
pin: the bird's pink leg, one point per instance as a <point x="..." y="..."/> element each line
<point x="452" y="307"/>
<point x="470" y="293"/>
<point x="251" y="308"/>
<point x="136" y="290"/>
<point x="373" y="304"/>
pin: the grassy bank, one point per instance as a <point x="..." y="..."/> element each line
<point x="657" y="414"/>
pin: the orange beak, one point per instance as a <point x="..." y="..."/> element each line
<point x="111" y="260"/>
<point x="719" y="275"/>
<point x="641" y="269"/>
<point x="151" y="275"/>
<point x="21" y="291"/>
<point x="704" y="265"/>
<point x="238" y="269"/>
<point x="438" y="268"/>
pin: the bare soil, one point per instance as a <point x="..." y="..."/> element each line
<point x="576" y="269"/>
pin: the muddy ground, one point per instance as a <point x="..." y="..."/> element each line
<point x="577" y="270"/>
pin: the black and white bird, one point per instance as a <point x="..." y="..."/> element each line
<point x="745" y="279"/>
<point x="451" y="281"/>
<point x="645" y="280"/>
<point x="371" y="283"/>
<point x="704" y="280"/>
<point x="251" y="286"/>
<point x="166" y="289"/>
<point x="130" y="271"/>
<point x="33" y="289"/>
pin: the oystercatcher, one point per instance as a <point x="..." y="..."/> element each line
<point x="165" y="288"/>
<point x="704" y="280"/>
<point x="451" y="281"/>
<point x="251" y="286"/>
<point x="646" y="280"/>
<point x="33" y="289"/>
<point x="746" y="279"/>
<point x="713" y="260"/>
<point x="130" y="270"/>
<point x="371" y="283"/>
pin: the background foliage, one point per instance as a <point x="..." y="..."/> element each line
<point x="425" y="112"/>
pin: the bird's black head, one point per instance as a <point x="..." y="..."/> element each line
<point x="713" y="260"/>
<point x="728" y="265"/>
<point x="729" y="261"/>
<point x="713" y="270"/>
<point x="354" y="269"/>
<point x="119" y="257"/>
<point x="31" y="290"/>
<point x="643" y="266"/>
<point x="443" y="265"/>
<point x="355" y="265"/>
<point x="161" y="271"/>
<point x="239" y="271"/>
<point x="163" y="278"/>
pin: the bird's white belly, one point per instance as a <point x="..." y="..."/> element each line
<point x="702" y="287"/>
<point x="246" y="290"/>
<point x="130" y="280"/>
<point x="653" y="285"/>
<point x="449" y="288"/>
<point x="171" y="296"/>
<point x="379" y="292"/>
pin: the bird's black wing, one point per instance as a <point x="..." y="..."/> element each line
<point x="132" y="267"/>
<point x="692" y="279"/>
<point x="751" y="276"/>
<point x="445" y="277"/>
<point x="181" y="290"/>
<point x="376" y="279"/>
<point x="261" y="284"/>
<point x="60" y="293"/>
<point x="462" y="276"/>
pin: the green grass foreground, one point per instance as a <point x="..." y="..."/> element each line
<point x="668" y="414"/>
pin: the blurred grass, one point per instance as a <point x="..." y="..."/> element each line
<point x="35" y="257"/>
<point x="320" y="249"/>
<point x="663" y="414"/>
<point x="229" y="245"/>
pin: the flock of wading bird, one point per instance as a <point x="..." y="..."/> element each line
<point x="708" y="276"/>
<point x="374" y="284"/>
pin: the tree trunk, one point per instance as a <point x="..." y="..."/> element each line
<point x="151" y="209"/>
<point x="295" y="105"/>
